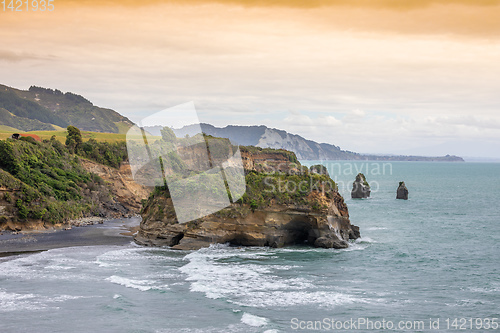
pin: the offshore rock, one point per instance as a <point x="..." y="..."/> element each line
<point x="318" y="216"/>
<point x="239" y="225"/>
<point x="360" y="187"/>
<point x="402" y="192"/>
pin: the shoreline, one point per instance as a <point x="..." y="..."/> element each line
<point x="108" y="232"/>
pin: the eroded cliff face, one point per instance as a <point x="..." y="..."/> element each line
<point x="318" y="217"/>
<point x="126" y="193"/>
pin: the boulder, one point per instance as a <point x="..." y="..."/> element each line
<point x="360" y="187"/>
<point x="402" y="192"/>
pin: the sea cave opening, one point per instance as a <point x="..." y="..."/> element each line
<point x="300" y="231"/>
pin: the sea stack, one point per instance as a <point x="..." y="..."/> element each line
<point x="402" y="192"/>
<point x="261" y="217"/>
<point x="360" y="187"/>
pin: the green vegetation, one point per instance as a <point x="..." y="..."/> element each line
<point x="363" y="178"/>
<point x="47" y="182"/>
<point x="111" y="154"/>
<point x="73" y="139"/>
<point x="29" y="109"/>
<point x="12" y="123"/>
<point x="45" y="109"/>
<point x="284" y="189"/>
<point x="319" y="169"/>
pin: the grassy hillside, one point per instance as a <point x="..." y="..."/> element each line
<point x="47" y="181"/>
<point x="14" y="123"/>
<point x="60" y="135"/>
<point x="43" y="181"/>
<point x="40" y="108"/>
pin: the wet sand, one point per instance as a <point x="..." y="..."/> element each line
<point x="111" y="232"/>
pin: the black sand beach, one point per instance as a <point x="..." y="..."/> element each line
<point x="111" y="232"/>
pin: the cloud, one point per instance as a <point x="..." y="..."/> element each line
<point x="366" y="78"/>
<point x="376" y="133"/>
<point x="386" y="4"/>
<point x="10" y="56"/>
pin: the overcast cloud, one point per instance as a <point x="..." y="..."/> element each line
<point x="372" y="79"/>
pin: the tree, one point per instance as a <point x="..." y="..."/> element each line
<point x="73" y="138"/>
<point x="167" y="134"/>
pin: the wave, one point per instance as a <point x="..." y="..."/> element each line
<point x="224" y="272"/>
<point x="10" y="301"/>
<point x="252" y="320"/>
<point x="142" y="285"/>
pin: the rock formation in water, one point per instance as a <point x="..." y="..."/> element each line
<point x="402" y="192"/>
<point x="360" y="187"/>
<point x="284" y="204"/>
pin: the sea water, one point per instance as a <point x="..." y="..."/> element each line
<point x="432" y="260"/>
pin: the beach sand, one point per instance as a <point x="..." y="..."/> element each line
<point x="111" y="232"/>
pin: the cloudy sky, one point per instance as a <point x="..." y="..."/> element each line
<point x="373" y="76"/>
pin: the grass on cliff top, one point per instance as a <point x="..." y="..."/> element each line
<point x="264" y="189"/>
<point x="60" y="135"/>
<point x="290" y="156"/>
<point x="285" y="189"/>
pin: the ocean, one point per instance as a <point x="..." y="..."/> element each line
<point x="424" y="265"/>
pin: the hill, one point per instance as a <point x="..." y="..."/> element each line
<point x="45" y="185"/>
<point x="265" y="137"/>
<point x="42" y="109"/>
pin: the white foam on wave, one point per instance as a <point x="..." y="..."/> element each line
<point x="130" y="255"/>
<point x="376" y="228"/>
<point x="365" y="240"/>
<point x="320" y="299"/>
<point x="211" y="272"/>
<point x="252" y="320"/>
<point x="142" y="285"/>
<point x="43" y="266"/>
<point x="10" y="301"/>
<point x="19" y="302"/>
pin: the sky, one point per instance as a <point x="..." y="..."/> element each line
<point x="372" y="76"/>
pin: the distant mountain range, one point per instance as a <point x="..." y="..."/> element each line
<point x="265" y="137"/>
<point x="42" y="109"/>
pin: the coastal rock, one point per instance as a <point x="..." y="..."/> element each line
<point x="318" y="217"/>
<point x="360" y="187"/>
<point x="239" y="225"/>
<point x="402" y="192"/>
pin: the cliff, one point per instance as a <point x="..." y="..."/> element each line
<point x="284" y="204"/>
<point x="44" y="186"/>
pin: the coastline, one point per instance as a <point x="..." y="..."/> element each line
<point x="91" y="232"/>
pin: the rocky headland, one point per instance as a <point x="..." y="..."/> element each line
<point x="284" y="204"/>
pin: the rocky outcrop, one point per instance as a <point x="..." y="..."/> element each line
<point x="318" y="217"/>
<point x="402" y="192"/>
<point x="360" y="187"/>
<point x="275" y="226"/>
